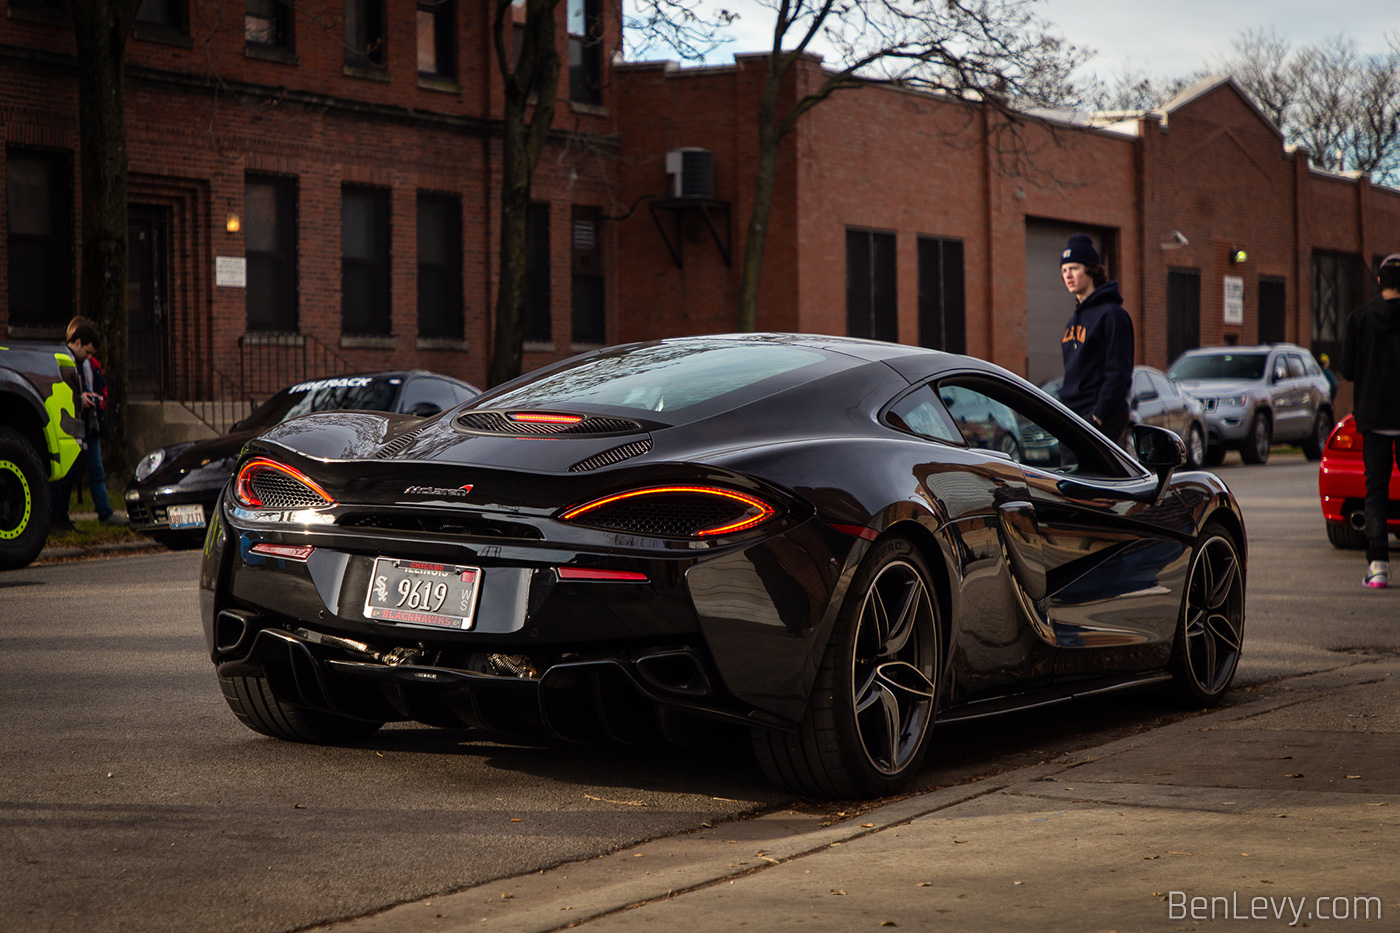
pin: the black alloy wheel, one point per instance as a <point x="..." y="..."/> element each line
<point x="872" y="707"/>
<point x="1256" y="446"/>
<point x="1210" y="632"/>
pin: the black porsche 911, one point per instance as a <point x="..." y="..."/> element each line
<point x="173" y="491"/>
<point x="816" y="539"/>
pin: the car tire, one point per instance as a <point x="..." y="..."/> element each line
<point x="1345" y="537"/>
<point x="1256" y="447"/>
<point x="866" y="730"/>
<point x="24" y="501"/>
<point x="1195" y="447"/>
<point x="1322" y="429"/>
<point x="1215" y="455"/>
<point x="1210" y="629"/>
<point x="257" y="707"/>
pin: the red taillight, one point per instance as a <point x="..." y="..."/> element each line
<point x="674" y="512"/>
<point x="541" y="417"/>
<point x="1345" y="437"/>
<point x="266" y="484"/>
<point x="598" y="575"/>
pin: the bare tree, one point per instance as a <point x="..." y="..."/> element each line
<point x="996" y="52"/>
<point x="528" y="58"/>
<point x="1264" y="65"/>
<point x="1342" y="105"/>
<point x="101" y="28"/>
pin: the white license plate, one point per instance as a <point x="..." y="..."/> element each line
<point x="186" y="516"/>
<point x="417" y="592"/>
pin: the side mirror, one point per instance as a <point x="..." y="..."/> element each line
<point x="1158" y="449"/>
<point x="424" y="409"/>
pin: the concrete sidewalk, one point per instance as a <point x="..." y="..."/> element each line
<point x="1282" y="811"/>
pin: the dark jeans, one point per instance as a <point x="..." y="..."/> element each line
<point x="1378" y="454"/>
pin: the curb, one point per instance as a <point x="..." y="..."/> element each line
<point x="577" y="892"/>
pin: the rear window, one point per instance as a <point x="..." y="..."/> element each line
<point x="355" y="392"/>
<point x="668" y="377"/>
<point x="1220" y="366"/>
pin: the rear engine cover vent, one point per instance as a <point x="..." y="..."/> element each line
<point x="523" y="424"/>
<point x="609" y="457"/>
<point x="399" y="444"/>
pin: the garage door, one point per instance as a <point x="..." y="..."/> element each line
<point x="1048" y="304"/>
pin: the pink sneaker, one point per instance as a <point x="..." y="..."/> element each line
<point x="1378" y="574"/>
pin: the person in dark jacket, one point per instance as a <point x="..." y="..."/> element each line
<point x="1098" y="342"/>
<point x="1371" y="359"/>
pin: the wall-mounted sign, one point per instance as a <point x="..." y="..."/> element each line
<point x="1234" y="299"/>
<point x="230" y="272"/>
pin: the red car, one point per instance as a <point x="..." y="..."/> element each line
<point x="1342" y="484"/>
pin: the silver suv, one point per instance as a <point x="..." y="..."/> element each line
<point x="1257" y="396"/>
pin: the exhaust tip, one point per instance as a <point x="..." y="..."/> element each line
<point x="1357" y="520"/>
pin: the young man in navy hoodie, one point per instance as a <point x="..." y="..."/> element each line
<point x="1371" y="359"/>
<point x="1098" y="342"/>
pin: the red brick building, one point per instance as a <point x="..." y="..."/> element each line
<point x="357" y="147"/>
<point x="311" y="185"/>
<point x="905" y="216"/>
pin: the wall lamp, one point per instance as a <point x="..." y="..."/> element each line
<point x="231" y="223"/>
<point x="1237" y="256"/>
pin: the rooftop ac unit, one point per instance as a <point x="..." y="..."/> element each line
<point x="692" y="172"/>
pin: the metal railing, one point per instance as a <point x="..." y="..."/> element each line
<point x="270" y="362"/>
<point x="267" y="363"/>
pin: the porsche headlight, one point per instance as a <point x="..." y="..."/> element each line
<point x="149" y="464"/>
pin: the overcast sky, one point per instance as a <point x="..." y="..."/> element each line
<point x="1167" y="39"/>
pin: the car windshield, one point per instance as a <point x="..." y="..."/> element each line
<point x="360" y="392"/>
<point x="662" y="377"/>
<point x="1220" y="366"/>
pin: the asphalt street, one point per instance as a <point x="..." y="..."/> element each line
<point x="133" y="800"/>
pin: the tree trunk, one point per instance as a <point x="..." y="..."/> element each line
<point x="770" y="137"/>
<point x="531" y="89"/>
<point x="100" y="28"/>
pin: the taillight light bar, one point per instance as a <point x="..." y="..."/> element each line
<point x="756" y="510"/>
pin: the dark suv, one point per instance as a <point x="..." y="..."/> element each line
<point x="1257" y="396"/>
<point x="39" y="434"/>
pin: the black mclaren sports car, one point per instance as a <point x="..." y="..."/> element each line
<point x="816" y="539"/>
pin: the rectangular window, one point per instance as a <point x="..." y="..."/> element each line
<point x="1339" y="283"/>
<point x="587" y="251"/>
<point x="365" y="45"/>
<point x="872" y="304"/>
<point x="538" y="326"/>
<point x="270" y="243"/>
<point x="163" y="14"/>
<point x="1273" y="309"/>
<point x="39" y="208"/>
<point x="364" y="261"/>
<point x="436" y="39"/>
<point x="942" y="311"/>
<point x="1183" y="311"/>
<point x="268" y="23"/>
<point x="439" y="266"/>
<point x="585" y="51"/>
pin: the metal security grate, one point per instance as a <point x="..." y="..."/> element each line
<point x="278" y="491"/>
<point x="609" y="457"/>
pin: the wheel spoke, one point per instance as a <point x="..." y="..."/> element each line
<point x="1222" y="629"/>
<point x="1223" y="578"/>
<point x="904" y="620"/>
